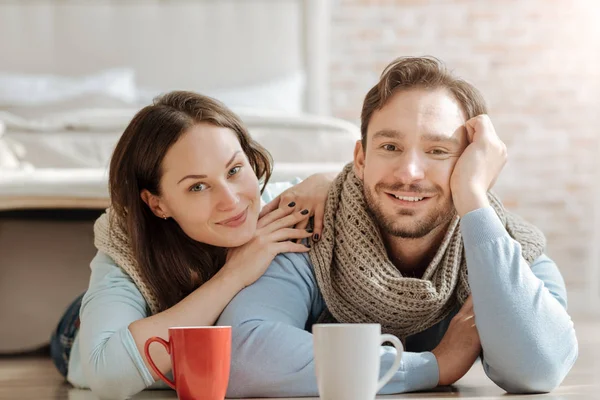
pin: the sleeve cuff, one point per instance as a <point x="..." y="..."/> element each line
<point x="422" y="371"/>
<point x="481" y="226"/>
<point x="417" y="372"/>
<point x="135" y="355"/>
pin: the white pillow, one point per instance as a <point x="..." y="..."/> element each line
<point x="285" y="93"/>
<point x="26" y="90"/>
<point x="281" y="94"/>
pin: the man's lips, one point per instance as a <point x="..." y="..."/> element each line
<point x="408" y="199"/>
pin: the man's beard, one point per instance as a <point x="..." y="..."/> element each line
<point x="415" y="228"/>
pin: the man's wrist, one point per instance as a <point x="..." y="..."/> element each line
<point x="440" y="363"/>
<point x="470" y="201"/>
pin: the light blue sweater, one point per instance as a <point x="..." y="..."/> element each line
<point x="528" y="338"/>
<point x="104" y="356"/>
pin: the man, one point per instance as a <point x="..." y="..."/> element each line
<point x="413" y="240"/>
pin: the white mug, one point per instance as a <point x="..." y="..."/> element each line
<point x="347" y="359"/>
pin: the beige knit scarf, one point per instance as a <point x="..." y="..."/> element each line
<point x="112" y="240"/>
<point x="361" y="285"/>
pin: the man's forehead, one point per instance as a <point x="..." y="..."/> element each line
<point x="430" y="114"/>
<point x="423" y="102"/>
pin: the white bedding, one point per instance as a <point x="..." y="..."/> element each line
<point x="61" y="160"/>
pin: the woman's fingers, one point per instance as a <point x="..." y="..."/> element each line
<point x="291" y="247"/>
<point x="318" y="222"/>
<point x="285" y="222"/>
<point x="274" y="215"/>
<point x="270" y="206"/>
<point x="302" y="226"/>
<point x="289" y="234"/>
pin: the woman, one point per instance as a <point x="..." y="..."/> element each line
<point x="183" y="236"/>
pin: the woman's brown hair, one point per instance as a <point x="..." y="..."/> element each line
<point x="167" y="258"/>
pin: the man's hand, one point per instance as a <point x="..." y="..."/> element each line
<point x="478" y="167"/>
<point x="460" y="346"/>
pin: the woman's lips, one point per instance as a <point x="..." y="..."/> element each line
<point x="236" y="220"/>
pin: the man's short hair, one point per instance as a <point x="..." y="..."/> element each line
<point x="419" y="72"/>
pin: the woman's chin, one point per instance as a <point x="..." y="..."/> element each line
<point x="237" y="240"/>
<point x="229" y="240"/>
<point x="240" y="236"/>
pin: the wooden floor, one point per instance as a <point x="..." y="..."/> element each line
<point x="34" y="378"/>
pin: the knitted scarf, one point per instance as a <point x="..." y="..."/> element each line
<point x="110" y="239"/>
<point x="361" y="285"/>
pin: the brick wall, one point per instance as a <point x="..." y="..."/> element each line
<point x="537" y="62"/>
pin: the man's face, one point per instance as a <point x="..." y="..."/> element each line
<point x="413" y="143"/>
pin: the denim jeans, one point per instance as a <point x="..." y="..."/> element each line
<point x="62" y="338"/>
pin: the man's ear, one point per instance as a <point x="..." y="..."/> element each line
<point x="155" y="204"/>
<point x="359" y="160"/>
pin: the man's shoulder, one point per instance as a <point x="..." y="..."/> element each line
<point x="292" y="269"/>
<point x="296" y="271"/>
<point x="291" y="264"/>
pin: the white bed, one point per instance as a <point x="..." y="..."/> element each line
<point x="102" y="60"/>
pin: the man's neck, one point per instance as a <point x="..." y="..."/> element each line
<point x="412" y="256"/>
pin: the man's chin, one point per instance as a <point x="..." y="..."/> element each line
<point x="412" y="226"/>
<point x="408" y="233"/>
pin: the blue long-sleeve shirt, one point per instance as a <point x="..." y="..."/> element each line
<point x="527" y="336"/>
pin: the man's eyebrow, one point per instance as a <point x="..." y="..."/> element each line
<point x="436" y="137"/>
<point x="388" y="133"/>
<point x="428" y="137"/>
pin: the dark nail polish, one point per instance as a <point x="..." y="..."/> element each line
<point x="309" y="230"/>
<point x="292" y="204"/>
<point x="304" y="212"/>
<point x="316" y="237"/>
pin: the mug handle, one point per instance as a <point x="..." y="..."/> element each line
<point x="399" y="349"/>
<point x="167" y="346"/>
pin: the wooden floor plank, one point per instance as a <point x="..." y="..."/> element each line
<point x="35" y="378"/>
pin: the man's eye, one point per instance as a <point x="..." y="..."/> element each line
<point x="389" y="147"/>
<point x="198" y="187"/>
<point x="234" y="170"/>
<point x="438" y="152"/>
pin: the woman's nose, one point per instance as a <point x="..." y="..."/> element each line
<point x="228" y="199"/>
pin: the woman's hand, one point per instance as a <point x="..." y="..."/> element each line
<point x="310" y="194"/>
<point x="274" y="234"/>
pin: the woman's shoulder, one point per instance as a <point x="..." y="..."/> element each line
<point x="104" y="267"/>
<point x="108" y="278"/>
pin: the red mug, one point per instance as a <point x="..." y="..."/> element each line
<point x="200" y="357"/>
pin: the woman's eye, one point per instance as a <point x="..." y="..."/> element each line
<point x="198" y="187"/>
<point x="234" y="170"/>
<point x="389" y="147"/>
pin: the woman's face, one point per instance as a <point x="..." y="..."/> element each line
<point x="209" y="188"/>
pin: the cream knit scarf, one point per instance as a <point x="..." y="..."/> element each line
<point x="110" y="239"/>
<point x="361" y="285"/>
